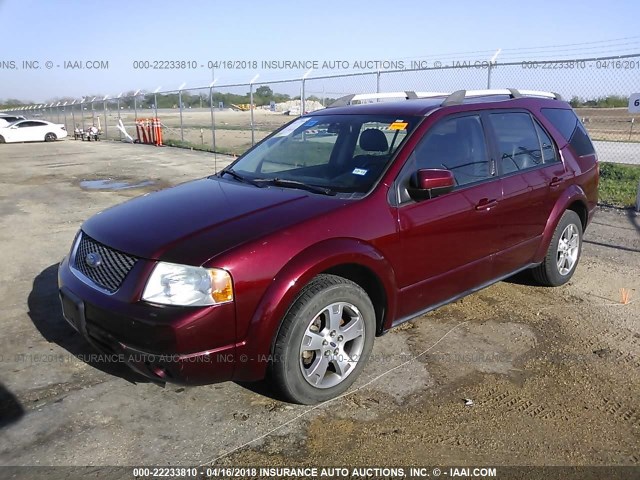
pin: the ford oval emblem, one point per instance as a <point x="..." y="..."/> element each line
<point x="93" y="259"/>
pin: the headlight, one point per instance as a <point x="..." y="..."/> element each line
<point x="173" y="284"/>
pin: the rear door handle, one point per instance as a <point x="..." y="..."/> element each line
<point x="555" y="181"/>
<point x="486" y="204"/>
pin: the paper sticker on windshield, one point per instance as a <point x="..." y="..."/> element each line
<point x="398" y="125"/>
<point x="311" y="123"/>
<point x="289" y="129"/>
<point x="359" y="171"/>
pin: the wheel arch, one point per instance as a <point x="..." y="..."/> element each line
<point x="580" y="207"/>
<point x="573" y="199"/>
<point x="349" y="258"/>
<point x="368" y="280"/>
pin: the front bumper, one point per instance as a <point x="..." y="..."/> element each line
<point x="165" y="344"/>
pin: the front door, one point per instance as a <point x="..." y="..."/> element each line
<point x="447" y="242"/>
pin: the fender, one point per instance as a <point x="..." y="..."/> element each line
<point x="288" y="283"/>
<point x="572" y="194"/>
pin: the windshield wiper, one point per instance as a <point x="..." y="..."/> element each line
<point x="282" y="182"/>
<point x="239" y="177"/>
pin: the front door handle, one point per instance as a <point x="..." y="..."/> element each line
<point x="556" y="181"/>
<point x="486" y="204"/>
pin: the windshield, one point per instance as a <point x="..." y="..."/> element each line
<point x="338" y="153"/>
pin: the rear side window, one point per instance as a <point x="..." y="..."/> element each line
<point x="566" y="122"/>
<point x="517" y="140"/>
<point x="548" y="150"/>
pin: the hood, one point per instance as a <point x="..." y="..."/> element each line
<point x="197" y="220"/>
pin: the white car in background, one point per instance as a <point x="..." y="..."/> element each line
<point x="32" y="131"/>
<point x="6" y="119"/>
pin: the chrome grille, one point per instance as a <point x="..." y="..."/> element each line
<point x="110" y="271"/>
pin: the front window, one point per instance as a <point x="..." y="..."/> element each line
<point x="336" y="153"/>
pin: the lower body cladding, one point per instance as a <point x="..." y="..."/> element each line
<point x="184" y="345"/>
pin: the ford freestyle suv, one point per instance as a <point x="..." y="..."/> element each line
<point x="337" y="227"/>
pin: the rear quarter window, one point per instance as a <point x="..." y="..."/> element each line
<point x="566" y="122"/>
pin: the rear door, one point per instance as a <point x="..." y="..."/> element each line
<point x="447" y="242"/>
<point x="38" y="130"/>
<point x="532" y="177"/>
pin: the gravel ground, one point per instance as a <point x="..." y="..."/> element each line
<point x="554" y="374"/>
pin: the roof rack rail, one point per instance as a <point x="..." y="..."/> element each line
<point x="455" y="98"/>
<point x="458" y="97"/>
<point x="367" y="97"/>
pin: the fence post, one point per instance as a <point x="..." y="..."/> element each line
<point x="73" y="118"/>
<point x="253" y="134"/>
<point x="302" y="97"/>
<point x="378" y="81"/>
<point x="82" y="114"/>
<point x="106" y="119"/>
<point x="135" y="106"/>
<point x="213" y="128"/>
<point x="181" y="127"/>
<point x="155" y="104"/>
<point x="489" y="77"/>
<point x="118" y="107"/>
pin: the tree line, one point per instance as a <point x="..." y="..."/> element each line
<point x="263" y="95"/>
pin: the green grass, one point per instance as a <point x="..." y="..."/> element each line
<point x="619" y="184"/>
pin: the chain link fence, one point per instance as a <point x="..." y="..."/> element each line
<point x="230" y="118"/>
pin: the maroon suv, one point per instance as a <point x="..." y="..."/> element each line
<point x="342" y="224"/>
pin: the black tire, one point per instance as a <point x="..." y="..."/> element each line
<point x="50" y="137"/>
<point x="2" y="139"/>
<point x="548" y="273"/>
<point x="288" y="358"/>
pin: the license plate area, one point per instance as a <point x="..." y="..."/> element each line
<point x="72" y="309"/>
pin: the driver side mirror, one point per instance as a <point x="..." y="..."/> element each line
<point x="430" y="183"/>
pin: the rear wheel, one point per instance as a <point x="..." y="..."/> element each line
<point x="324" y="341"/>
<point x="50" y="137"/>
<point x="2" y="139"/>
<point x="563" y="253"/>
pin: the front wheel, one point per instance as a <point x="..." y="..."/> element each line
<point x="50" y="137"/>
<point x="2" y="140"/>
<point x="324" y="341"/>
<point x="563" y="253"/>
